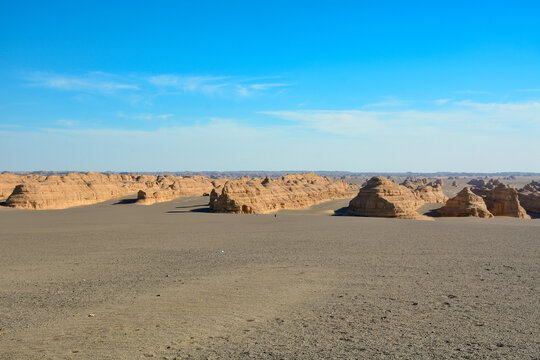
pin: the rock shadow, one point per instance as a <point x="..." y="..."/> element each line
<point x="533" y="215"/>
<point x="190" y="206"/>
<point x="125" y="202"/>
<point x="341" y="211"/>
<point x="196" y="210"/>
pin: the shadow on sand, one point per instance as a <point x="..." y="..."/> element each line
<point x="195" y="210"/>
<point x="533" y="215"/>
<point x="191" y="206"/>
<point x="125" y="202"/>
<point x="341" y="211"/>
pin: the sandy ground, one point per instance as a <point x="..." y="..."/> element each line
<point x="174" y="281"/>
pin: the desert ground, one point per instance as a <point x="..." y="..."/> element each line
<point x="117" y="280"/>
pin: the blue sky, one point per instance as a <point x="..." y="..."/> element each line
<point x="270" y="85"/>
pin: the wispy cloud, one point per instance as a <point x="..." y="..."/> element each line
<point x="442" y="101"/>
<point x="527" y="90"/>
<point x="153" y="85"/>
<point x="66" y="122"/>
<point x="471" y="92"/>
<point x="389" y="101"/>
<point x="144" y="116"/>
<point x="90" y="82"/>
<point x="461" y="117"/>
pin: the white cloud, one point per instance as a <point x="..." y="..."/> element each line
<point x="471" y="92"/>
<point x="462" y="117"/>
<point x="91" y="82"/>
<point x="442" y="101"/>
<point x="144" y="116"/>
<point x="66" y="122"/>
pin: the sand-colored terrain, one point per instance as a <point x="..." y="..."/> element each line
<point x="120" y="281"/>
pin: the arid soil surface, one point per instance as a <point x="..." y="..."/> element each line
<point x="121" y="281"/>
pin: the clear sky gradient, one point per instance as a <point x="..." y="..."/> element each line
<point x="270" y="85"/>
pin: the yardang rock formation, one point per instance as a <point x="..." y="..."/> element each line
<point x="263" y="196"/>
<point x="465" y="203"/>
<point x="381" y="197"/>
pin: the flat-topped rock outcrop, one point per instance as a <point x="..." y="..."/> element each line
<point x="430" y="192"/>
<point x="503" y="201"/>
<point x="381" y="197"/>
<point x="268" y="195"/>
<point x="465" y="203"/>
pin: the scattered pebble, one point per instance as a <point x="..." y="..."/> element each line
<point x="91" y="315"/>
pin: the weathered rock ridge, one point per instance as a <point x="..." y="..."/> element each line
<point x="465" y="203"/>
<point x="75" y="189"/>
<point x="381" y="197"/>
<point x="268" y="195"/>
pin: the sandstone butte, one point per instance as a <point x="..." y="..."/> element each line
<point x="175" y="187"/>
<point x="465" y="203"/>
<point x="381" y="197"/>
<point x="75" y="189"/>
<point x="503" y="201"/>
<point x="529" y="197"/>
<point x="429" y="192"/>
<point x="263" y="196"/>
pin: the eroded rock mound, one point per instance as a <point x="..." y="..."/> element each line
<point x="430" y="192"/>
<point x="503" y="201"/>
<point x="529" y="197"/>
<point x="465" y="203"/>
<point x="381" y="197"/>
<point x="268" y="195"/>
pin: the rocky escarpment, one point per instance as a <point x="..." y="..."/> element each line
<point x="529" y="197"/>
<point x="381" y="197"/>
<point x="465" y="203"/>
<point x="263" y="196"/>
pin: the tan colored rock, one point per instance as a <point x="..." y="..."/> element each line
<point x="529" y="197"/>
<point x="170" y="188"/>
<point x="8" y="182"/>
<point x="503" y="201"/>
<point x="75" y="189"/>
<point x="381" y="197"/>
<point x="263" y="196"/>
<point x="465" y="203"/>
<point x="430" y="192"/>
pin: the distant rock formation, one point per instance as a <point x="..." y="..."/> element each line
<point x="529" y="197"/>
<point x="454" y="183"/>
<point x="381" y="197"/>
<point x="503" y="201"/>
<point x="430" y="192"/>
<point x="482" y="187"/>
<point x="268" y="195"/>
<point x="75" y="189"/>
<point x="174" y="187"/>
<point x="465" y="203"/>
